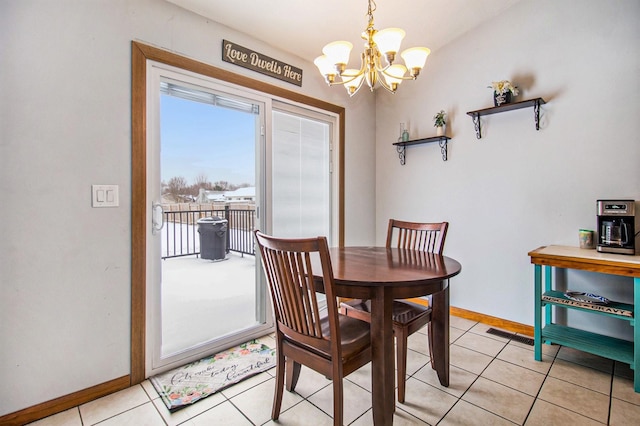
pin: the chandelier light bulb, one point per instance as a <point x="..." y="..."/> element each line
<point x="352" y="80"/>
<point x="388" y="41"/>
<point x="326" y="68"/>
<point x="338" y="53"/>
<point x="415" y="58"/>
<point x="393" y="75"/>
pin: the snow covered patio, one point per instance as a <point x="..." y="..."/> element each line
<point x="203" y="299"/>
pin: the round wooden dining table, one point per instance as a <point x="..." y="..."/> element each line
<point x="383" y="274"/>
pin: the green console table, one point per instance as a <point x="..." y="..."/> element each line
<point x="546" y="297"/>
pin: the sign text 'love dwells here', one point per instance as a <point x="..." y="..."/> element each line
<point x="246" y="58"/>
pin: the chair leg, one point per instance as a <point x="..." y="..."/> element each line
<point x="277" y="396"/>
<point x="430" y="337"/>
<point x="338" y="396"/>
<point x="401" y="357"/>
<point x="293" y="374"/>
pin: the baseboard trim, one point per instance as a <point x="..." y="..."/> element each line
<point x="514" y="327"/>
<point x="57" y="405"/>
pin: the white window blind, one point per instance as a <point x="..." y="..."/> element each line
<point x="301" y="176"/>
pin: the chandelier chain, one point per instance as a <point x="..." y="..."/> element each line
<point x="370" y="11"/>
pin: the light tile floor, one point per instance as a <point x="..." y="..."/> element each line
<point x="494" y="381"/>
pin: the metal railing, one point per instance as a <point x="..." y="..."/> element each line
<point x="180" y="235"/>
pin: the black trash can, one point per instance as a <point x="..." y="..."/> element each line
<point x="213" y="238"/>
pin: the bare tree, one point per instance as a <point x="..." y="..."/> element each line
<point x="222" y="185"/>
<point x="202" y="181"/>
<point x="177" y="188"/>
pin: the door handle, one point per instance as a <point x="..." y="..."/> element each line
<point x="157" y="218"/>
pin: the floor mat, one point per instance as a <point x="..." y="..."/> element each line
<point x="188" y="384"/>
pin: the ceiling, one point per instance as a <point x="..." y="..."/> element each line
<point x="303" y="27"/>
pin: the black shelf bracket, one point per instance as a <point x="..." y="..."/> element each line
<point x="443" y="148"/>
<point x="401" y="147"/>
<point x="401" y="153"/>
<point x="476" y="124"/>
<point x="535" y="103"/>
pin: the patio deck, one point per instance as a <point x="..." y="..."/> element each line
<point x="204" y="299"/>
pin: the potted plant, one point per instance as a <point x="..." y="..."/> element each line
<point x="439" y="123"/>
<point x="503" y="92"/>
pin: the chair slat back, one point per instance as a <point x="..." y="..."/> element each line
<point x="428" y="237"/>
<point x="289" y="271"/>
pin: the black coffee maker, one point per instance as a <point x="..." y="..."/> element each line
<point x="616" y="231"/>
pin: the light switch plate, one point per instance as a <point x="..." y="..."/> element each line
<point x="104" y="196"/>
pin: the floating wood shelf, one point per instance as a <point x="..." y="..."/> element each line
<point x="535" y="103"/>
<point x="442" y="141"/>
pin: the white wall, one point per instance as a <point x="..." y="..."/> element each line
<point x="64" y="125"/>
<point x="517" y="188"/>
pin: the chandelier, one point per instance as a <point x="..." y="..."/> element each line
<point x="385" y="42"/>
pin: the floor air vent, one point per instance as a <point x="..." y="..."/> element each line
<point x="512" y="336"/>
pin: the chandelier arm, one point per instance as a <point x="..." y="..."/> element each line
<point x="384" y="71"/>
<point x="340" y="83"/>
<point x="357" y="88"/>
<point x="383" y="84"/>
<point x="361" y="71"/>
<point x="403" y="78"/>
<point x="363" y="65"/>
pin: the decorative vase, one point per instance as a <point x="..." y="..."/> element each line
<point x="440" y="131"/>
<point x="502" y="98"/>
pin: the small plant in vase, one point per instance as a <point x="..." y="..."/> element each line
<point x="439" y="123"/>
<point x="503" y="92"/>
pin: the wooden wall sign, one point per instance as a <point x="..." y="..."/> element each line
<point x="247" y="58"/>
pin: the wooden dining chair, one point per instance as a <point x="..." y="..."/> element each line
<point x="408" y="317"/>
<point x="324" y="341"/>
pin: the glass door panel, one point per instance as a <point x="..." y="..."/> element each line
<point x="205" y="293"/>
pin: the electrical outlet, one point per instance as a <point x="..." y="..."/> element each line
<point x="104" y="196"/>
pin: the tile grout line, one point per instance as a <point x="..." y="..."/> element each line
<point x="154" y="405"/>
<point x="478" y="377"/>
<point x="613" y="373"/>
<point x="535" y="398"/>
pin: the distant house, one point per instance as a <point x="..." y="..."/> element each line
<point x="206" y="196"/>
<point x="241" y="194"/>
<point x="247" y="194"/>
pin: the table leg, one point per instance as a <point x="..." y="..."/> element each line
<point x="440" y="327"/>
<point x="547" y="287"/>
<point x="382" y="354"/>
<point x="537" y="312"/>
<point x="636" y="337"/>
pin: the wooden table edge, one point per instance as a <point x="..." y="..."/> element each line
<point x="616" y="266"/>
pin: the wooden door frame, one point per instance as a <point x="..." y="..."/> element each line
<point x="140" y="53"/>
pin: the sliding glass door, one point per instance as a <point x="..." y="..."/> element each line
<point x="221" y="162"/>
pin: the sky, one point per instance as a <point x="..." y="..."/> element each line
<point x="199" y="138"/>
